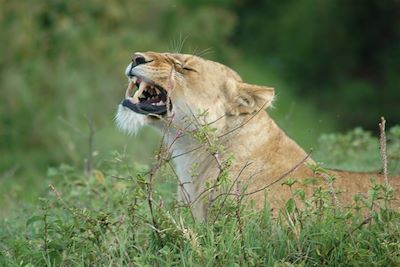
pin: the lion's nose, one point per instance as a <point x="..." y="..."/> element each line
<point x="137" y="59"/>
<point x="128" y="70"/>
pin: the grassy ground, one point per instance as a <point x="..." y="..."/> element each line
<point x="103" y="219"/>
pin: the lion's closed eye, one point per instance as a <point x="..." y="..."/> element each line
<point x="181" y="67"/>
<point x="189" y="69"/>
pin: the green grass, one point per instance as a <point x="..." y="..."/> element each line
<point x="103" y="219"/>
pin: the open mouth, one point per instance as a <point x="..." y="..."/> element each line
<point x="148" y="98"/>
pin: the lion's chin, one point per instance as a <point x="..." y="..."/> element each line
<point x="128" y="121"/>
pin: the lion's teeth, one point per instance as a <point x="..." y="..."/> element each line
<point x="139" y="92"/>
<point x="152" y="90"/>
<point x="129" y="90"/>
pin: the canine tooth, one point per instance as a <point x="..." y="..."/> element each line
<point x="129" y="90"/>
<point x="134" y="79"/>
<point x="139" y="92"/>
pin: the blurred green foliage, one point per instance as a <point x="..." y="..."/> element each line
<point x="62" y="64"/>
<point x="342" y="53"/>
<point x="358" y="150"/>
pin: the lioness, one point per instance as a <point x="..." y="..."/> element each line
<point x="166" y="88"/>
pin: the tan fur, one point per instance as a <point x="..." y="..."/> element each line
<point x="236" y="110"/>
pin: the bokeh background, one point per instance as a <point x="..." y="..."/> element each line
<point x="335" y="65"/>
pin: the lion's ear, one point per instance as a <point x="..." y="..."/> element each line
<point x="248" y="98"/>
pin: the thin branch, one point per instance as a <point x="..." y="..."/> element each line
<point x="186" y="152"/>
<point x="209" y="142"/>
<point x="155" y="168"/>
<point x="245" y="122"/>
<point x="274" y="182"/>
<point x="282" y="176"/>
<point x="184" y="191"/>
<point x="230" y="194"/>
<point x="217" y="119"/>
<point x="215" y="185"/>
<point x="335" y="200"/>
<point x="230" y="190"/>
<point x="382" y="140"/>
<point x="239" y="219"/>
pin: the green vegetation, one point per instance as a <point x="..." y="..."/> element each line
<point x="340" y="53"/>
<point x="358" y="150"/>
<point x="334" y="66"/>
<point x="103" y="219"/>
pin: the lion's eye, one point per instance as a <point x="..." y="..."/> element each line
<point x="189" y="69"/>
<point x="183" y="67"/>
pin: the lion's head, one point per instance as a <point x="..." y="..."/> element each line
<point x="167" y="84"/>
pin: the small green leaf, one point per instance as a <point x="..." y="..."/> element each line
<point x="290" y="205"/>
<point x="289" y="182"/>
<point x="300" y="192"/>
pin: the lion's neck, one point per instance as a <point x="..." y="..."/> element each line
<point x="247" y="138"/>
<point x="188" y="157"/>
<point x="260" y="137"/>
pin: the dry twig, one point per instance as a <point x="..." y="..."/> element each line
<point x="382" y="141"/>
